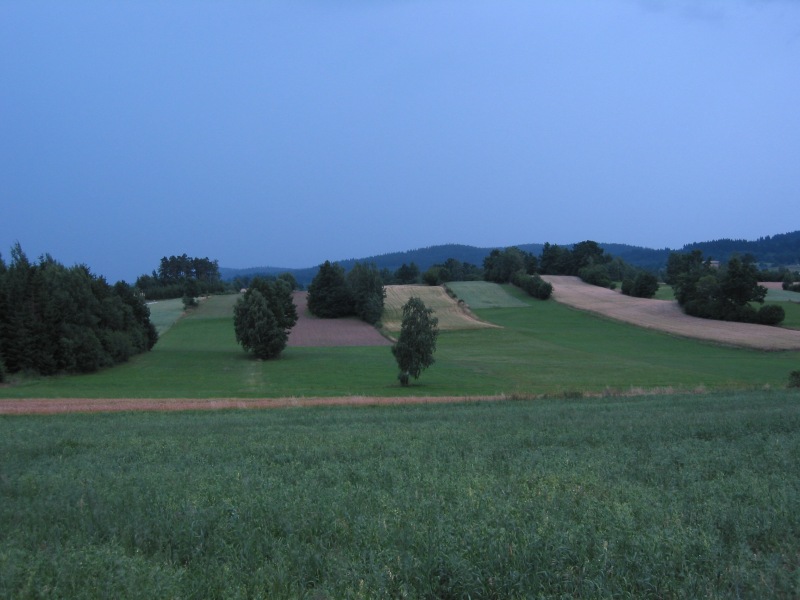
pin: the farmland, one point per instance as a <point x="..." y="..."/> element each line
<point x="667" y="316"/>
<point x="591" y="473"/>
<point x="543" y="348"/>
<point x="452" y="315"/>
<point x="568" y="460"/>
<point x="641" y="497"/>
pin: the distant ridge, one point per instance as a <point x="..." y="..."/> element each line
<point x="781" y="249"/>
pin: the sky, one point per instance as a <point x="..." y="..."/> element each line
<point x="287" y="133"/>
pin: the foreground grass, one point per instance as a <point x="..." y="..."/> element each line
<point x="544" y="348"/>
<point x="645" y="497"/>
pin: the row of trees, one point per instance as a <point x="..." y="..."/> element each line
<point x="452" y="269"/>
<point x="720" y="292"/>
<point x="181" y="276"/>
<point x="56" y="319"/>
<point x="360" y="292"/>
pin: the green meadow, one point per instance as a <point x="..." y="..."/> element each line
<point x="543" y="348"/>
<point x="164" y="313"/>
<point x="645" y="497"/>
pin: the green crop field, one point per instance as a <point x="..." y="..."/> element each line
<point x="646" y="497"/>
<point x="792" y="310"/>
<point x="782" y="296"/>
<point x="544" y="348"/>
<point x="164" y="313"/>
<point x="482" y="294"/>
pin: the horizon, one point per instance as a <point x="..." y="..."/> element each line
<point x="290" y="133"/>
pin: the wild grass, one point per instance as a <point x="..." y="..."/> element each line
<point x="545" y="348"/>
<point x="643" y="497"/>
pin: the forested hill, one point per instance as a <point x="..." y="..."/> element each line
<point x="782" y="249"/>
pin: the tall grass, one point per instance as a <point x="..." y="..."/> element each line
<point x="639" y="497"/>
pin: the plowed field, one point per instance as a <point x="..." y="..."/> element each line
<point x="666" y="315"/>
<point x="313" y="331"/>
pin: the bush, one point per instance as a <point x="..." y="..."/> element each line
<point x="771" y="314"/>
<point x="595" y="275"/>
<point x="532" y="284"/>
<point x="645" y="285"/>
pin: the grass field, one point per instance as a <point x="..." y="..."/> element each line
<point x="545" y="348"/>
<point x="646" y="497"/>
<point x="482" y="294"/>
<point x="164" y="313"/>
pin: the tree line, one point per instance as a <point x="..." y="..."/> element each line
<point x="725" y="292"/>
<point x="181" y="276"/>
<point x="57" y="319"/>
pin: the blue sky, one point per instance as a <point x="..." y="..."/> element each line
<point x="291" y="132"/>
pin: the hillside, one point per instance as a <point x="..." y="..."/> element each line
<point x="781" y="249"/>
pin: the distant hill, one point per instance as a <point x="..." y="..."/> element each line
<point x="776" y="250"/>
<point x="781" y="249"/>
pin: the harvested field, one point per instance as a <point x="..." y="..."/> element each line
<point x="313" y="331"/>
<point x="452" y="315"/>
<point x="666" y="315"/>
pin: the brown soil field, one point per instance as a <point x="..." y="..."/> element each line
<point x="313" y="331"/>
<point x="666" y="315"/>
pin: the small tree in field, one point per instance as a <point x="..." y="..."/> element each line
<point x="417" y="342"/>
<point x="257" y="328"/>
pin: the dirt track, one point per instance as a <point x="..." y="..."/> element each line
<point x="51" y="406"/>
<point x="666" y="315"/>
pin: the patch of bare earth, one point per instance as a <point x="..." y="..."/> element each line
<point x="666" y="315"/>
<point x="348" y="331"/>
<point x="50" y="406"/>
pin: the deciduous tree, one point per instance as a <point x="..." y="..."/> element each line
<point x="417" y="342"/>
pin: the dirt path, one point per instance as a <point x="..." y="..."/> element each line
<point x="51" y="406"/>
<point x="666" y="315"/>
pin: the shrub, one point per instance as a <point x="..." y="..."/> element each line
<point x="771" y="314"/>
<point x="595" y="275"/>
<point x="534" y="285"/>
<point x="645" y="285"/>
